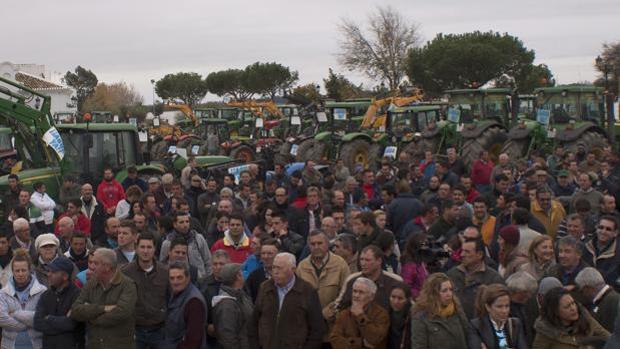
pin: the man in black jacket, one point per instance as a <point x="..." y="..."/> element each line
<point x="51" y="316"/>
<point x="94" y="211"/>
<point x="403" y="208"/>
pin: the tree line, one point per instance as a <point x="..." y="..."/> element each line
<point x="386" y="50"/>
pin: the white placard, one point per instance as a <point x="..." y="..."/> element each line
<point x="390" y="152"/>
<point x="340" y="114"/>
<point x="156" y="122"/>
<point x="133" y="121"/>
<point x="143" y="136"/>
<point x="258" y="149"/>
<point x="294" y="148"/>
<point x="195" y="149"/>
<point x="52" y="138"/>
<point x="259" y="122"/>
<point x="321" y="116"/>
<point x="236" y="171"/>
<point x="115" y="119"/>
<point x="295" y="120"/>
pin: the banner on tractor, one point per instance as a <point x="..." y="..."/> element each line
<point x="52" y="138"/>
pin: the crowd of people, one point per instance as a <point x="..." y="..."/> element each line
<point x="424" y="255"/>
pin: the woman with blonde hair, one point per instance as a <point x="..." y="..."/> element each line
<point x="18" y="302"/>
<point x="493" y="325"/>
<point x="541" y="257"/>
<point x="438" y="320"/>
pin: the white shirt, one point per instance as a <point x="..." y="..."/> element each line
<point x="44" y="203"/>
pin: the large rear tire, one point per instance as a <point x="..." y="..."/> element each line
<point x="354" y="153"/>
<point x="492" y="139"/>
<point x="416" y="149"/>
<point x="516" y="148"/>
<point x="591" y="141"/>
<point x="243" y="152"/>
<point x="310" y="149"/>
<point x="375" y="155"/>
<point x="159" y="150"/>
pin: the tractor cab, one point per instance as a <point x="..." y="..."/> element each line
<point x="409" y="120"/>
<point x="91" y="147"/>
<point x="345" y="117"/>
<point x="563" y="105"/>
<point x="466" y="106"/>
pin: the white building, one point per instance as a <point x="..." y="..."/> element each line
<point x="33" y="76"/>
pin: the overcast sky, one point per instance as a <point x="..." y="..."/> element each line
<point x="136" y="41"/>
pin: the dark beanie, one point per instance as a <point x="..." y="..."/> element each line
<point x="510" y="234"/>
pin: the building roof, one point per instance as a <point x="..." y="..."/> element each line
<point x="36" y="83"/>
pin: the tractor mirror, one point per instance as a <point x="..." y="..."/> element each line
<point x="259" y="122"/>
<point x="13" y="141"/>
<point x="295" y="120"/>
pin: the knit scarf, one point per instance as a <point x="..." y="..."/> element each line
<point x="447" y="311"/>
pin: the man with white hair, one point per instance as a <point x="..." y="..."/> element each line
<point x="22" y="238"/>
<point x="165" y="190"/>
<point x="602" y="300"/>
<point x="93" y="210"/>
<point x="522" y="287"/>
<point x="107" y="304"/>
<point x="364" y="324"/>
<point x="294" y="303"/>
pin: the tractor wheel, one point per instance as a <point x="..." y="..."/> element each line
<point x="491" y="140"/>
<point x="355" y="153"/>
<point x="416" y="149"/>
<point x="310" y="149"/>
<point x="159" y="150"/>
<point x="516" y="148"/>
<point x="283" y="156"/>
<point x="243" y="152"/>
<point x="591" y="141"/>
<point x="375" y="155"/>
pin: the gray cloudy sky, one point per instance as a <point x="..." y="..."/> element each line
<point x="137" y="40"/>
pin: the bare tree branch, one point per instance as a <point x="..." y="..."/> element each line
<point x="380" y="52"/>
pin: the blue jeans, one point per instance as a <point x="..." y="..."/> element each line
<point x="149" y="338"/>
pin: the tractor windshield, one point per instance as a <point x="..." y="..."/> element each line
<point x="114" y="149"/>
<point x="591" y="108"/>
<point x="495" y="106"/>
<point x="402" y="122"/>
<point x="562" y="108"/>
<point x="229" y="114"/>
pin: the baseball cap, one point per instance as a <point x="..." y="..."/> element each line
<point x="563" y="173"/>
<point x="61" y="263"/>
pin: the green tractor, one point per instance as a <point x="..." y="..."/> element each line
<point x="478" y="120"/>
<point x="405" y="126"/>
<point x="571" y="115"/>
<point x="221" y="139"/>
<point x="338" y="136"/>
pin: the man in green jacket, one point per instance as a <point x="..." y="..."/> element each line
<point x="602" y="299"/>
<point x="107" y="305"/>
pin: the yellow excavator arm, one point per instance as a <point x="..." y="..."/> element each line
<point x="374" y="121"/>
<point x="185" y="109"/>
<point x="258" y="108"/>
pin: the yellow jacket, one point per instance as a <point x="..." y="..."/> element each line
<point x="550" y="220"/>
